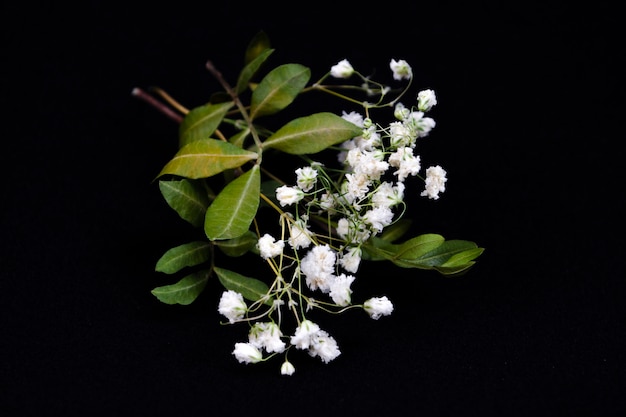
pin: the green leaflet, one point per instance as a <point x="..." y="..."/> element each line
<point x="184" y="291"/>
<point x="278" y="89"/>
<point x="179" y="257"/>
<point x="312" y="134"/>
<point x="250" y="288"/>
<point x="201" y="122"/>
<point x="258" y="44"/>
<point x="205" y="158"/>
<point x="428" y="251"/>
<point x="234" y="208"/>
<point x="188" y="198"/>
<point x="238" y="246"/>
<point x="250" y="69"/>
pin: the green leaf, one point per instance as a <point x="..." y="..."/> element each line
<point x="312" y="134"/>
<point x="239" y="245"/>
<point x="250" y="288"/>
<point x="259" y="43"/>
<point x="418" y="246"/>
<point x="238" y="138"/>
<point x="179" y="257"/>
<point x="278" y="89"/>
<point x="188" y="198"/>
<point x="201" y="122"/>
<point x="396" y="230"/>
<point x="250" y="69"/>
<point x="234" y="208"/>
<point x="463" y="258"/>
<point x="184" y="291"/>
<point x="205" y="158"/>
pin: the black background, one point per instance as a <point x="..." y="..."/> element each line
<point x="529" y="100"/>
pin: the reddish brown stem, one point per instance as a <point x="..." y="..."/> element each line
<point x="139" y="93"/>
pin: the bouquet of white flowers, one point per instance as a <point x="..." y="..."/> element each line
<point x="322" y="221"/>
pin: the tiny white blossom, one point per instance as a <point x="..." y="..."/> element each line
<point x="343" y="69"/>
<point x="318" y="266"/>
<point x="426" y="99"/>
<point x="400" y="112"/>
<point x="287" y="195"/>
<point x="324" y="346"/>
<point x="299" y="234"/>
<point x="266" y="336"/>
<point x="305" y="331"/>
<point x="287" y="368"/>
<point x="268" y="247"/>
<point x="406" y="162"/>
<point x="378" y="306"/>
<point x="401" y="69"/>
<point x="350" y="259"/>
<point x="435" y="182"/>
<point x="246" y="353"/>
<point x="306" y="178"/>
<point x="232" y="306"/>
<point x="353" y="117"/>
<point x="388" y="195"/>
<point x="378" y="218"/>
<point x="400" y="135"/>
<point x="340" y="290"/>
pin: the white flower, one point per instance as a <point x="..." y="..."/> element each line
<point x="378" y="306"/>
<point x="266" y="336"/>
<point x="400" y="135"/>
<point x="401" y="69"/>
<point x="268" y="247"/>
<point x="299" y="234"/>
<point x="420" y="125"/>
<point x="305" y="331"/>
<point x="246" y="353"/>
<point x="406" y="162"/>
<point x="287" y="195"/>
<point x="353" y="117"/>
<point x="287" y="368"/>
<point x="340" y="290"/>
<point x="324" y="346"/>
<point x="343" y="69"/>
<point x="318" y="266"/>
<point x="351" y="259"/>
<point x="306" y="178"/>
<point x="388" y="195"/>
<point x="426" y="99"/>
<point x="378" y="217"/>
<point x="400" y="112"/>
<point x="232" y="306"/>
<point x="435" y="182"/>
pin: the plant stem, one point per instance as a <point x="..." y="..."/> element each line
<point x="139" y="93"/>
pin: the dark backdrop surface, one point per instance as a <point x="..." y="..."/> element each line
<point x="529" y="100"/>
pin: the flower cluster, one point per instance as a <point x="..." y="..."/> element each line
<point x="354" y="202"/>
<point x="337" y="210"/>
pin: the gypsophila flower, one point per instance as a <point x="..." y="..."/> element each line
<point x="247" y="353"/>
<point x="287" y="195"/>
<point x="324" y="346"/>
<point x="426" y="99"/>
<point x="406" y="162"/>
<point x="378" y="306"/>
<point x="266" y="336"/>
<point x="304" y="333"/>
<point x="306" y="178"/>
<point x="401" y="69"/>
<point x="269" y="247"/>
<point x="343" y="69"/>
<point x="299" y="234"/>
<point x="287" y="368"/>
<point x="351" y="259"/>
<point x="435" y="182"/>
<point x="378" y="218"/>
<point x="389" y="195"/>
<point x="353" y="117"/>
<point x="318" y="267"/>
<point x="340" y="291"/>
<point x="232" y="306"/>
